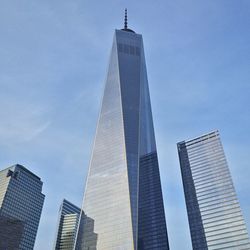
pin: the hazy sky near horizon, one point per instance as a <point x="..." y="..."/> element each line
<point x="53" y="62"/>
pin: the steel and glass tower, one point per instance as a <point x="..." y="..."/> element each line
<point x="67" y="226"/>
<point x="123" y="195"/>
<point x="214" y="214"/>
<point x="21" y="203"/>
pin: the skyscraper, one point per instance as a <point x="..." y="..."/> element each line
<point x="123" y="196"/>
<point x="21" y="202"/>
<point x="67" y="226"/>
<point x="214" y="214"/>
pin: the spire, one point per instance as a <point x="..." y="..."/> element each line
<point x="126" y="20"/>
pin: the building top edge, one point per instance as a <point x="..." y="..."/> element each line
<point x="19" y="166"/>
<point x="65" y="201"/>
<point x="125" y="32"/>
<point x="128" y="30"/>
<point x="196" y="139"/>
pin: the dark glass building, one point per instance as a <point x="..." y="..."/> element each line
<point x="21" y="202"/>
<point x="214" y="214"/>
<point x="67" y="226"/>
<point x="123" y="197"/>
<point x="11" y="231"/>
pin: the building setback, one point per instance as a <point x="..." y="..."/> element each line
<point x="214" y="214"/>
<point x="21" y="202"/>
<point x="123" y="197"/>
<point x="67" y="226"/>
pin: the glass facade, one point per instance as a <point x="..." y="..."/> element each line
<point x="21" y="201"/>
<point x="124" y="160"/>
<point x="11" y="231"/>
<point x="67" y="226"/>
<point x="214" y="214"/>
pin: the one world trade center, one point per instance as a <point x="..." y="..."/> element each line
<point x="123" y="204"/>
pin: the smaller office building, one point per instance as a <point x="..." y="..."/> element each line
<point x="21" y="202"/>
<point x="67" y="226"/>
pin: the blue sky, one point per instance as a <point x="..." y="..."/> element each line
<point x="53" y="62"/>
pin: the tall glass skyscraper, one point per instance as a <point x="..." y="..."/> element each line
<point x="21" y="202"/>
<point x="214" y="214"/>
<point x="67" y="226"/>
<point x="123" y="196"/>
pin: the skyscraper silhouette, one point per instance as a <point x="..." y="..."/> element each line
<point x="123" y="196"/>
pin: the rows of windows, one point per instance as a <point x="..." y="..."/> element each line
<point x="210" y="196"/>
